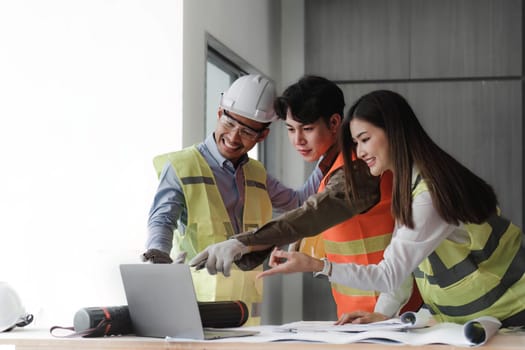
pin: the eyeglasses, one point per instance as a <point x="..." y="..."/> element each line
<point x="246" y="132"/>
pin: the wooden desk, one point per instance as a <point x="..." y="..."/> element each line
<point x="27" y="339"/>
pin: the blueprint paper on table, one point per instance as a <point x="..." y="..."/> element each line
<point x="409" y="330"/>
<point x="474" y="333"/>
<point x="419" y="319"/>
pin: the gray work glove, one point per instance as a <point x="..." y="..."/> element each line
<point x="219" y="257"/>
<point x="157" y="256"/>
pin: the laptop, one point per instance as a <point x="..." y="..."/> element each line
<point x="162" y="303"/>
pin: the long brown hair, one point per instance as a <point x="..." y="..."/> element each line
<point x="457" y="194"/>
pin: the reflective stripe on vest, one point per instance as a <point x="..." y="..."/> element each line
<point x="209" y="223"/>
<point x="484" y="277"/>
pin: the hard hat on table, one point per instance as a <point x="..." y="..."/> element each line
<point x="12" y="313"/>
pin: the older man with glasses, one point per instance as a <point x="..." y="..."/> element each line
<point x="245" y="131"/>
<point x="213" y="190"/>
<point x="249" y="132"/>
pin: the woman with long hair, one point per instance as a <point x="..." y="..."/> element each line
<point x="467" y="260"/>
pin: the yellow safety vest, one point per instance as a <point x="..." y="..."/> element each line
<point x="209" y="223"/>
<point x="485" y="277"/>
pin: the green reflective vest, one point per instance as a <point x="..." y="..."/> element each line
<point x="209" y="223"/>
<point x="483" y="277"/>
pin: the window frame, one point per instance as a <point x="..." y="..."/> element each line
<point x="233" y="65"/>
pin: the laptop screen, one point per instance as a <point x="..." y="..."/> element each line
<point x="161" y="300"/>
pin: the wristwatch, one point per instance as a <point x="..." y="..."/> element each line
<point x="327" y="269"/>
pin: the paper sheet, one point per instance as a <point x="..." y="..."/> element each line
<point x="412" y="329"/>
<point x="420" y="319"/>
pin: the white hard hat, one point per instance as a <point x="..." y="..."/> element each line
<point x="12" y="312"/>
<point x="252" y="97"/>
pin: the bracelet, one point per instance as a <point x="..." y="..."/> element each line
<point x="327" y="269"/>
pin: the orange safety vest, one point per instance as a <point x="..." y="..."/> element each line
<point x="361" y="240"/>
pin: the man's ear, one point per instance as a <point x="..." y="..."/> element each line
<point x="219" y="113"/>
<point x="263" y="135"/>
<point x="335" y="122"/>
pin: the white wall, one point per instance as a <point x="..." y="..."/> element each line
<point x="90" y="91"/>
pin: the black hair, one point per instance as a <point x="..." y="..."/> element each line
<point x="310" y="99"/>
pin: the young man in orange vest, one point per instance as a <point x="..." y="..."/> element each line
<point x="313" y="110"/>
